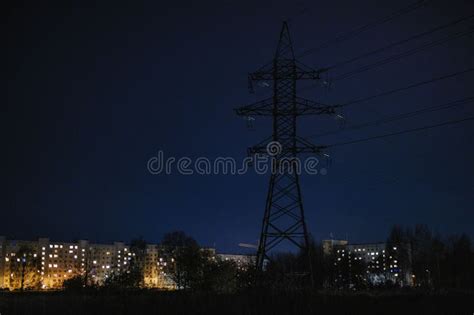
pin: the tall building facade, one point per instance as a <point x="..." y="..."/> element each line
<point x="43" y="264"/>
<point x="372" y="264"/>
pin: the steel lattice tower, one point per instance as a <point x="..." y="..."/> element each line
<point x="284" y="215"/>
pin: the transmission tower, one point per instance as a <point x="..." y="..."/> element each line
<point x="284" y="215"/>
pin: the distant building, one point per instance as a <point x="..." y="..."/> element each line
<point x="43" y="264"/>
<point x="374" y="264"/>
<point x="328" y="245"/>
<point x="242" y="261"/>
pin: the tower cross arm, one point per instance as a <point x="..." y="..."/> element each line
<point x="309" y="107"/>
<point x="301" y="145"/>
<point x="260" y="108"/>
<point x="299" y="74"/>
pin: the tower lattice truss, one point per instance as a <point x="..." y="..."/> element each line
<point x="284" y="215"/>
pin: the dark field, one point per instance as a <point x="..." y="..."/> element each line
<point x="154" y="302"/>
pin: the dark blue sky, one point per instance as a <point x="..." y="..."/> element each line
<point x="96" y="89"/>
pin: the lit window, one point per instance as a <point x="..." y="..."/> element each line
<point x="7" y="259"/>
<point x="71" y="247"/>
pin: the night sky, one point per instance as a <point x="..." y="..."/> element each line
<point x="95" y="89"/>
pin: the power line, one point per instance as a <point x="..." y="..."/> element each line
<point x="399" y="117"/>
<point x="452" y="122"/>
<point x="368" y="26"/>
<point x="401" y="55"/>
<point x="398" y="43"/>
<point x="411" y="86"/>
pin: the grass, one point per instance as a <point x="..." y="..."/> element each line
<point x="254" y="302"/>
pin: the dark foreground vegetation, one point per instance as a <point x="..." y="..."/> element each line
<point x="250" y="302"/>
